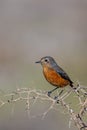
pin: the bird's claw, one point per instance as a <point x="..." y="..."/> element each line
<point x="49" y="93"/>
<point x="56" y="97"/>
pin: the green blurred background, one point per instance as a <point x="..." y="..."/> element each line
<point x="29" y="30"/>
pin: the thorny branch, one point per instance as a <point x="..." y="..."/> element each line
<point x="34" y="95"/>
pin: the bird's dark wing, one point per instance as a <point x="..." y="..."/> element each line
<point x="62" y="73"/>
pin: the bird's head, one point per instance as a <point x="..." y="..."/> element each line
<point x="47" y="61"/>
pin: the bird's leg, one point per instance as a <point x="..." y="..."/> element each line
<point x="49" y="92"/>
<point x="61" y="92"/>
<point x="58" y="94"/>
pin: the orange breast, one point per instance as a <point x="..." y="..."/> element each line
<point x="54" y="78"/>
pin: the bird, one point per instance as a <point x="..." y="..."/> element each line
<point x="54" y="74"/>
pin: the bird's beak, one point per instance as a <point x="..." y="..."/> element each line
<point x="38" y="61"/>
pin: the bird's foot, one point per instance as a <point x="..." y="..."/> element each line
<point x="49" y="93"/>
<point x="56" y="97"/>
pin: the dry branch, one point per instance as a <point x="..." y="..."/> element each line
<point x="34" y="95"/>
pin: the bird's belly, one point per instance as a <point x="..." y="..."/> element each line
<point x="54" y="78"/>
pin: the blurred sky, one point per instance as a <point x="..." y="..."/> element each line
<point x="31" y="29"/>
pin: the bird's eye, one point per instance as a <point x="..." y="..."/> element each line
<point x="46" y="60"/>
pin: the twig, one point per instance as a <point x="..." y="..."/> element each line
<point x="33" y="95"/>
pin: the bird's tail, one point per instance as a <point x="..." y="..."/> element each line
<point x="71" y="84"/>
